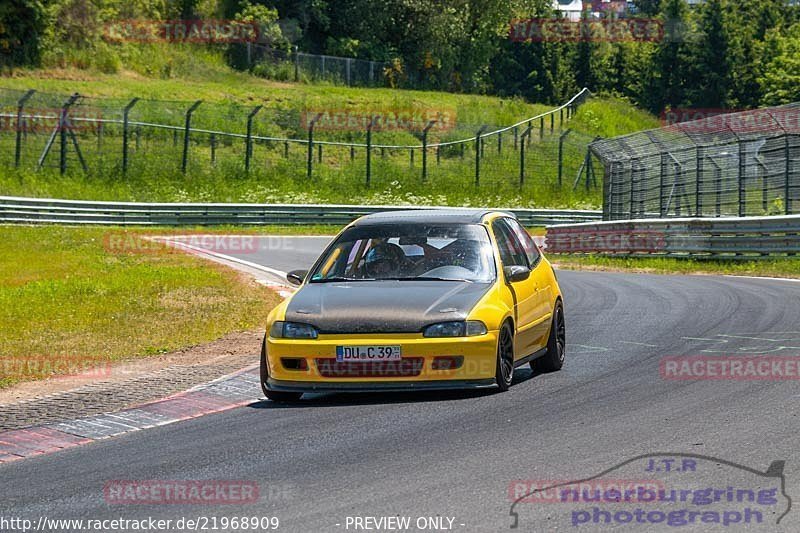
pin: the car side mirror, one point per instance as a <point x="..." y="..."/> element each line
<point x="296" y="277"/>
<point x="516" y="273"/>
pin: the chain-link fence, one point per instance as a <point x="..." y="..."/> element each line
<point x="298" y="66"/>
<point x="736" y="164"/>
<point x="420" y="150"/>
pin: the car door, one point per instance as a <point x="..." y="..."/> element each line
<point x="541" y="277"/>
<point x="524" y="292"/>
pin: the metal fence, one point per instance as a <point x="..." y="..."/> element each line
<point x="139" y="138"/>
<point x="736" y="164"/>
<point x="285" y="65"/>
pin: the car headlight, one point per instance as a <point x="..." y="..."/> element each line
<point x="468" y="328"/>
<point x="292" y="330"/>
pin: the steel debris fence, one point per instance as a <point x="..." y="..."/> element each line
<point x="736" y="164"/>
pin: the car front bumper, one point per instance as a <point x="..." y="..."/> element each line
<point x="419" y="368"/>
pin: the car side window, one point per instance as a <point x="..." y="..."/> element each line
<point x="528" y="245"/>
<point x="511" y="252"/>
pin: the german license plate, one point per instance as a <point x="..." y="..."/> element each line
<point x="346" y="354"/>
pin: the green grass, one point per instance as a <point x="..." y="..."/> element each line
<point x="609" y="117"/>
<point x="155" y="157"/>
<point x="780" y="268"/>
<point x="68" y="301"/>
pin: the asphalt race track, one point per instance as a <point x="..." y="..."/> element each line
<point x="457" y="455"/>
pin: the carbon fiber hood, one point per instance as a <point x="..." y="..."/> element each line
<point x="383" y="306"/>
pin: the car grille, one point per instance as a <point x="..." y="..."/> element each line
<point x="406" y="367"/>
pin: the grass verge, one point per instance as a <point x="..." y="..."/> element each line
<point x="69" y="304"/>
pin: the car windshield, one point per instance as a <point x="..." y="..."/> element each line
<point x="409" y="252"/>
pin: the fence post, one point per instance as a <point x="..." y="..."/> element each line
<point x="698" y="187"/>
<point x="742" y="209"/>
<point x="352" y="152"/>
<point x="310" y="155"/>
<point x="552" y="122"/>
<point x="296" y="65"/>
<point x="213" y="141"/>
<point x="369" y="150"/>
<point x="632" y="209"/>
<point x="20" y="106"/>
<point x="425" y="149"/>
<point x="787" y="201"/>
<point x="526" y="133"/>
<point x="62" y="131"/>
<point x="478" y="154"/>
<point x="541" y="129"/>
<point x="718" y="189"/>
<point x="516" y="136"/>
<point x="248" y="152"/>
<point x="319" y="153"/>
<point x="125" y="116"/>
<point x="662" y="178"/>
<point x="561" y="119"/>
<point x="286" y="149"/>
<point x="347" y="68"/>
<point x="186" y="131"/>
<point x="500" y="142"/>
<point x="561" y="156"/>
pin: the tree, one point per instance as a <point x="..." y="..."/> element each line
<point x="650" y="8"/>
<point x="780" y="81"/>
<point x="666" y="75"/>
<point x="711" y="80"/>
<point x="584" y="72"/>
<point x="22" y="25"/>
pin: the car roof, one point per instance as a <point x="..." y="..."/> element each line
<point x="428" y="216"/>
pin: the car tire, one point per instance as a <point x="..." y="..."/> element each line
<point x="556" y="343"/>
<point x="504" y="371"/>
<point x="275" y="396"/>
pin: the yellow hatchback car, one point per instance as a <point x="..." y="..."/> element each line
<point x="411" y="300"/>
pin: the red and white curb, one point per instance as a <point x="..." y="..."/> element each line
<point x="228" y="392"/>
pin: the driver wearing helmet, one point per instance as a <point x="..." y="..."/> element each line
<point x="383" y="260"/>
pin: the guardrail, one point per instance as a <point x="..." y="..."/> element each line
<point x="718" y="238"/>
<point x="50" y="211"/>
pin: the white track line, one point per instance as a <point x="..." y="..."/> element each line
<point x="218" y="255"/>
<point x="794" y="280"/>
